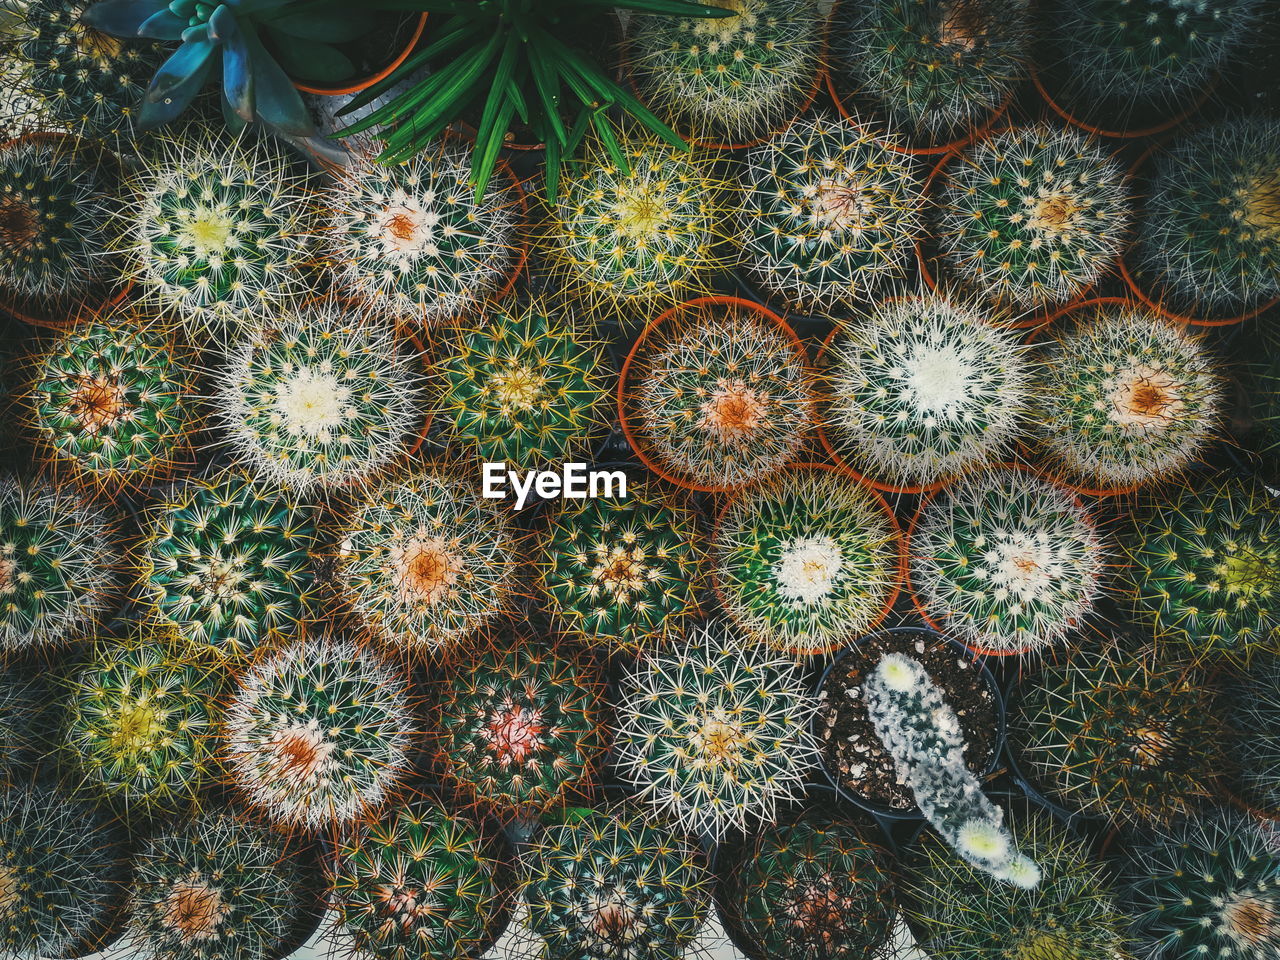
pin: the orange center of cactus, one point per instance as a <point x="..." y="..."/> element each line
<point x="8" y="574"/>
<point x="514" y="733"/>
<point x="816" y="913"/>
<point x="614" y="923"/>
<point x="9" y="889"/>
<point x="299" y="753"/>
<point x="195" y="909"/>
<point x="841" y="205"/>
<point x="1145" y="397"/>
<point x="1261" y="209"/>
<point x="963" y="25"/>
<point x="19" y="222"/>
<point x="721" y="740"/>
<point x="98" y="402"/>
<point x="427" y="570"/>
<point x="408" y="902"/>
<point x="1249" y="920"/>
<point x="96" y="44"/>
<point x="620" y="571"/>
<point x="734" y="411"/>
<point x="1149" y="744"/>
<point x="1054" y="213"/>
<point x="401" y="227"/>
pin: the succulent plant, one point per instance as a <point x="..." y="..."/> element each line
<point x="612" y="883"/>
<point x="1256" y="425"/>
<point x="318" y="399"/>
<point x="227" y="560"/>
<point x="737" y="78"/>
<point x="923" y="388"/>
<point x="830" y="213"/>
<point x="1126" y="397"/>
<point x="427" y="562"/>
<point x="720" y="395"/>
<point x="317" y="733"/>
<point x="1254" y="717"/>
<point x="30" y="712"/>
<point x="715" y="733"/>
<point x="1032" y="216"/>
<point x="806" y="561"/>
<point x="1008" y="562"/>
<point x="58" y="563"/>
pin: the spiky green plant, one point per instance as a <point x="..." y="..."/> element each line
<point x="420" y="882"/>
<point x="317" y="733"/>
<point x="719" y="395"/>
<point x="227" y="559"/>
<point x="923" y="388"/>
<point x="612" y="883"/>
<point x="1120" y="733"/>
<point x="1204" y="569"/>
<point x="316" y="398"/>
<point x="30" y="712"/>
<point x="623" y="573"/>
<point x="1008" y="562"/>
<point x="830" y="213"/>
<point x="1209" y="237"/>
<point x="218" y="887"/>
<point x="427" y="562"/>
<point x="736" y="78"/>
<point x="1032" y="216"/>
<point x="1257" y="422"/>
<point x="812" y="888"/>
<point x="715" y="733"/>
<point x="1255" y="720"/>
<point x="523" y="387"/>
<point x="1126" y="397"/>
<point x="58" y="563"/>
<point x="806" y="561"/>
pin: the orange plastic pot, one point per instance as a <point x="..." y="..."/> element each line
<point x="1156" y="129"/>
<point x="356" y="86"/>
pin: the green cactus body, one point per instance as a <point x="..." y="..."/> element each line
<point x="806" y="561"/>
<point x="427" y="562"/>
<point x="1007" y="562"/>
<point x="735" y="78"/>
<point x="58" y="564"/>
<point x="1204" y="569"/>
<point x="317" y="734"/>
<point x="626" y="573"/>
<point x="227" y="559"/>
<point x="30" y="711"/>
<point x="830" y="213"/>
<point x="420" y="882"/>
<point x="613" y="883"/>
<point x="1032" y="216"/>
<point x="1259" y="434"/>
<point x="922" y="389"/>
<point x="1255" y="718"/>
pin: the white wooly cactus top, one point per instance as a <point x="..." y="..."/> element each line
<point x="927" y="743"/>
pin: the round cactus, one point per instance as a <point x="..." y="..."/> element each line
<point x="1257" y="422"/>
<point x="411" y="243"/>
<point x="736" y="78"/>
<point x="1007" y="562"/>
<point x="427" y="562"/>
<point x="806" y="561"/>
<point x="830" y="214"/>
<point x="315" y="398"/>
<point x="922" y="389"/>
<point x="1033" y="216"/>
<point x="318" y="733"/>
<point x="1255" y="719"/>
<point x="30" y="712"/>
<point x="58" y="563"/>
<point x="719" y="395"/>
<point x="715" y="733"/>
<point x="227" y="559"/>
<point x="614" y="883"/>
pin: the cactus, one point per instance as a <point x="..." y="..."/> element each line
<point x="110" y="400"/>
<point x="411" y="243"/>
<point x="1204" y="569"/>
<point x="1007" y="562"/>
<point x="219" y="887"/>
<point x="1255" y="719"/>
<point x="830" y="214"/>
<point x="715" y="733"/>
<point x="227" y="559"/>
<point x="806" y="561"/>
<point x="58" y="561"/>
<point x="318" y="733"/>
<point x="315" y="399"/>
<point x="427" y="562"/>
<point x="624" y="574"/>
<point x="523" y="387"/>
<point x="737" y="78"/>
<point x="614" y="883"/>
<point x="1032" y="216"/>
<point x="812" y="888"/>
<point x="1257" y="422"/>
<point x="420" y="882"/>
<point x="29" y="711"/>
<point x="1127" y="398"/>
<point x="1210" y="228"/>
<point x="923" y="388"/>
<point x="720" y="395"/>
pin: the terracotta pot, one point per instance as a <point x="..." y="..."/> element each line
<point x="363" y="83"/>
<point x="1154" y="130"/>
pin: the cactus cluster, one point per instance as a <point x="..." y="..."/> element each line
<point x="29" y="713"/>
<point x="1255" y="721"/>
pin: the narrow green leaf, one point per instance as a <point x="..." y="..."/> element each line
<point x="604" y="130"/>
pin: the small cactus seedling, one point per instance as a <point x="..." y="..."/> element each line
<point x="1007" y="562"/>
<point x="806" y="561"/>
<point x="1255" y="720"/>
<point x="921" y="389"/>
<point x="715" y="733"/>
<point x="1032" y="216"/>
<point x="830" y="214"/>
<point x="317" y="733"/>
